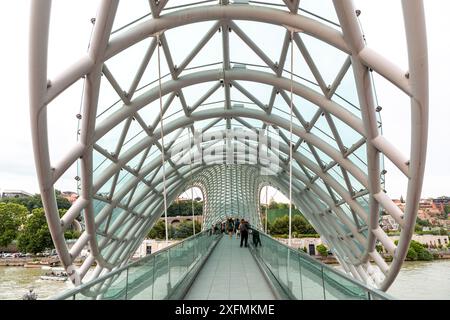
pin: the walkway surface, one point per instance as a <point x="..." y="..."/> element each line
<point x="230" y="273"/>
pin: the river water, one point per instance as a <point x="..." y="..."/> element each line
<point x="423" y="281"/>
<point x="15" y="282"/>
<point x="417" y="280"/>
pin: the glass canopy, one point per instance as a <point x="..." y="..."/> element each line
<point x="228" y="96"/>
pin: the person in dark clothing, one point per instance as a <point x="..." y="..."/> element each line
<point x="230" y="227"/>
<point x="256" y="238"/>
<point x="236" y="227"/>
<point x="243" y="228"/>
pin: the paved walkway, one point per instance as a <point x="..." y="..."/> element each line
<point x="230" y="273"/>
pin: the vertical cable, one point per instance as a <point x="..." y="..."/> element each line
<point x="162" y="140"/>
<point x="267" y="187"/>
<point x="192" y="186"/>
<point x="290" y="140"/>
<point x="267" y="209"/>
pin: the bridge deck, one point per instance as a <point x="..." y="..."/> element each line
<point x="230" y="273"/>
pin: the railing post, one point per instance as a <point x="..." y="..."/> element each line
<point x="323" y="284"/>
<point x="288" y="266"/>
<point x="301" y="280"/>
<point x="153" y="283"/>
<point x="169" y="285"/>
<point x="126" y="286"/>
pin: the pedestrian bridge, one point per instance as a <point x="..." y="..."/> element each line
<point x="230" y="97"/>
<point x="214" y="267"/>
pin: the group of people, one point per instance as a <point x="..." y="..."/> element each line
<point x="241" y="228"/>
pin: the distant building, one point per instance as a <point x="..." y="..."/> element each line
<point x="310" y="244"/>
<point x="150" y="246"/>
<point x="70" y="196"/>
<point x="5" y="193"/>
<point x="441" y="202"/>
<point x="174" y="221"/>
<point x="425" y="204"/>
<point x="427" y="210"/>
<point x="388" y="223"/>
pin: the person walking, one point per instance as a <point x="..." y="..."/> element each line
<point x="236" y="227"/>
<point x="243" y="228"/>
<point x="256" y="238"/>
<point x="230" y="227"/>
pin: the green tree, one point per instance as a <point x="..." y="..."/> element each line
<point x="35" y="201"/>
<point x="280" y="225"/>
<point x="72" y="234"/>
<point x="412" y="254"/>
<point x="12" y="216"/>
<point x="323" y="250"/>
<point x="30" y="203"/>
<point x="184" y="229"/>
<point x="423" y="223"/>
<point x="159" y="231"/>
<point x="273" y="204"/>
<point x="447" y="210"/>
<point x="184" y="208"/>
<point x="35" y="235"/>
<point x="299" y="226"/>
<point x="424" y="255"/>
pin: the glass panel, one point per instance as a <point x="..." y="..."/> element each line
<point x="295" y="274"/>
<point x="118" y="287"/>
<point x="340" y="288"/>
<point x="311" y="280"/>
<point x="161" y="282"/>
<point x="140" y="280"/>
<point x="305" y="278"/>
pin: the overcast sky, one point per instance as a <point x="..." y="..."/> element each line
<point x="384" y="32"/>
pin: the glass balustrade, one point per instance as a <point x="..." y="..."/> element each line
<point x="159" y="275"/>
<point x="304" y="278"/>
<point x="153" y="277"/>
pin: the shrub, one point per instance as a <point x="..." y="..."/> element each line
<point x="35" y="235"/>
<point x="72" y="234"/>
<point x="425" y="255"/>
<point x="323" y="250"/>
<point x="313" y="235"/>
<point x="412" y="254"/>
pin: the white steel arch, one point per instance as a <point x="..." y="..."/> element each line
<point x="338" y="145"/>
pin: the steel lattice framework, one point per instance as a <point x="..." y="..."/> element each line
<point x="230" y="190"/>
<point x="233" y="74"/>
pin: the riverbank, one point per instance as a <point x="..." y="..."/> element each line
<point x="16" y="281"/>
<point x="34" y="262"/>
